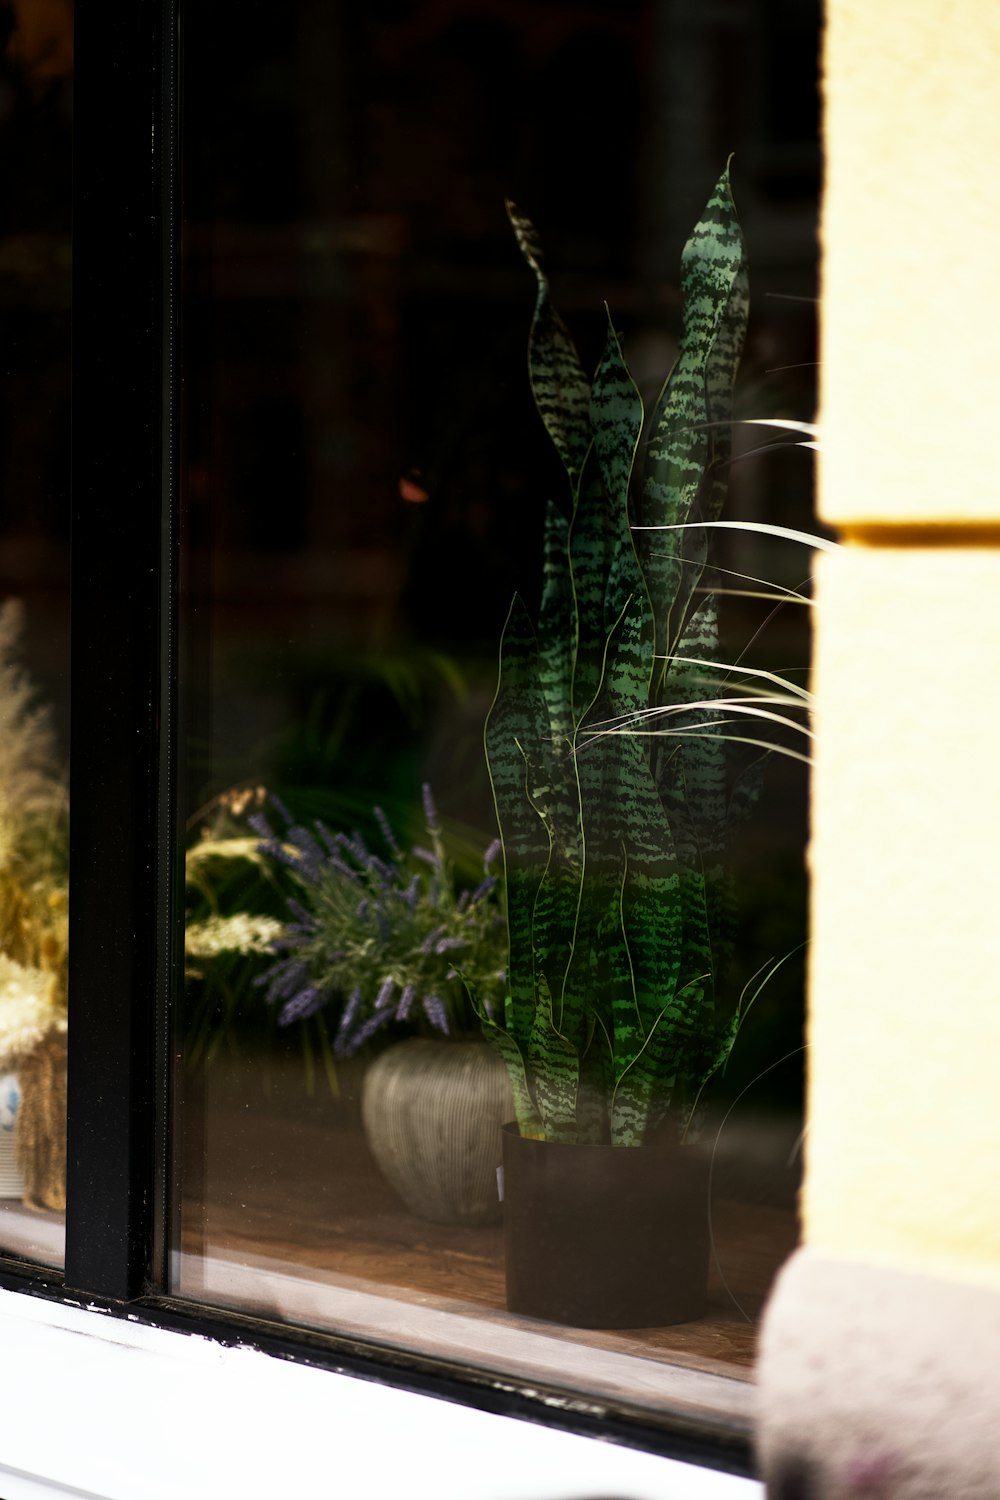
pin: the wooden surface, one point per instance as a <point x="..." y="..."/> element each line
<point x="282" y="1212"/>
<point x="35" y="1234"/>
<point x="295" y="1187"/>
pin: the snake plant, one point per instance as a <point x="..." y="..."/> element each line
<point x="614" y="842"/>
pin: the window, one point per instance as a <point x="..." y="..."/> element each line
<point x="309" y="478"/>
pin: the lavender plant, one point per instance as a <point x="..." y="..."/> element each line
<point x="390" y="939"/>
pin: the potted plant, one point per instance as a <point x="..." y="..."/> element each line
<point x="33" y="936"/>
<point x="615" y="840"/>
<point x="391" y="942"/>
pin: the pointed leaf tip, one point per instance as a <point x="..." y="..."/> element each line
<point x="526" y="235"/>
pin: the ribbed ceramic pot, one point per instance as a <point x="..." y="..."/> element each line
<point x="432" y="1114"/>
<point x="11" y="1178"/>
<point x="605" y="1236"/>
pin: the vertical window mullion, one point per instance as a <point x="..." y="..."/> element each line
<point x="116" y="891"/>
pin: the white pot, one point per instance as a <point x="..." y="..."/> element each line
<point x="11" y="1180"/>
<point x="432" y="1113"/>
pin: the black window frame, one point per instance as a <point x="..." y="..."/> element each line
<point x="126" y="879"/>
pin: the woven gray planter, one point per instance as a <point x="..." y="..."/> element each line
<point x="432" y="1113"/>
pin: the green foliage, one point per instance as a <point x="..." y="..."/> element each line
<point x="357" y="939"/>
<point x="386" y="939"/>
<point x="614" y="840"/>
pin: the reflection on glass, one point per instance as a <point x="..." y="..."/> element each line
<point x="33" y="934"/>
<point x="35" y="121"/>
<point x="376" y="982"/>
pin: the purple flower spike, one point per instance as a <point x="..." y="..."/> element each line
<point x="385" y="992"/>
<point x="305" y="840"/>
<point x="430" y="811"/>
<point x="326" y="837"/>
<point x="306" y="919"/>
<point x="283" y="979"/>
<point x="435" y="1012"/>
<point x="276" y="802"/>
<point x="405" y="1003"/>
<point x="261" y="827"/>
<point x="492" y="853"/>
<point x="358" y="847"/>
<point x="342" y="867"/>
<point x="448" y="944"/>
<point x="306" y="1003"/>
<point x="392" y="844"/>
<point x="341" y="1043"/>
<point x="368" y="1030"/>
<point x="281" y="856"/>
<point x="428" y="857"/>
<point x="386" y="874"/>
<point x="288" y="985"/>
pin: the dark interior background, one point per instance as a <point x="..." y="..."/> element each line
<point x="354" y="332"/>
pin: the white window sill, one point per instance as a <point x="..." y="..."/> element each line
<point x="108" y="1409"/>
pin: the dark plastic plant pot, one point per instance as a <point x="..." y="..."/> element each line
<point x="605" y="1236"/>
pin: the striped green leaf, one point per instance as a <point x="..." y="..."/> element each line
<point x="557" y="899"/>
<point x="529" y="1120"/>
<point x="592" y="544"/>
<point x="558" y="383"/>
<point x="715" y="267"/>
<point x="664" y="1079"/>
<point x="517" y="722"/>
<point x="631" y="901"/>
<point x="616" y="421"/>
<point x="555" y="1067"/>
<point x="556" y="628"/>
<point x="698" y="760"/>
<point x="685" y="462"/>
<point x="614" y="845"/>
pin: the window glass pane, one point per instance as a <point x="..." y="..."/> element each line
<point x="366" y="476"/>
<point x="36" y="63"/>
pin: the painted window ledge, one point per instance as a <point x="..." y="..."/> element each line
<point x="95" y="1406"/>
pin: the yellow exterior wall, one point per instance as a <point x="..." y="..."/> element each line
<point x="911" y="242"/>
<point x="904" y="1101"/>
<point x="903" y="1153"/>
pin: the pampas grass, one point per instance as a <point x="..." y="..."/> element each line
<point x="32" y="794"/>
<point x="26" y="1010"/>
<point x="33" y="920"/>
